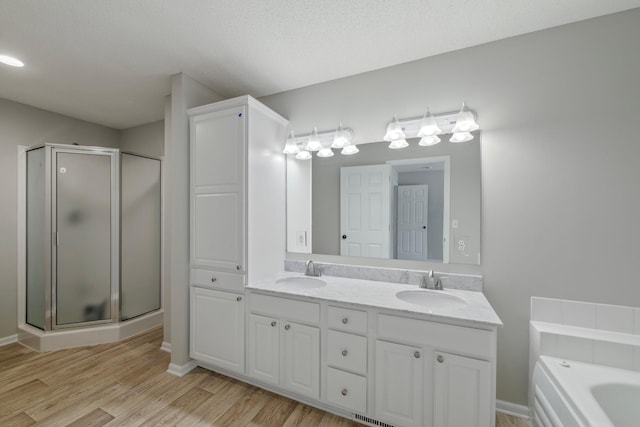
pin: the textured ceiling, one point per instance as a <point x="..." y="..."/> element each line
<point x="109" y="61"/>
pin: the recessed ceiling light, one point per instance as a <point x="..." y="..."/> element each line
<point x="10" y="60"/>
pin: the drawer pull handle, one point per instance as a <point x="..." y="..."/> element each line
<point x="273" y="323"/>
<point x="239" y="299"/>
<point x="344" y="392"/>
<point x="440" y="359"/>
<point x="287" y="327"/>
<point x="416" y="355"/>
<point x="345" y="320"/>
<point x="213" y="280"/>
<point x="344" y="353"/>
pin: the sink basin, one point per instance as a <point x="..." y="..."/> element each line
<point x="432" y="299"/>
<point x="302" y="282"/>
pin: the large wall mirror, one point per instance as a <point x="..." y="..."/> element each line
<point x="417" y="203"/>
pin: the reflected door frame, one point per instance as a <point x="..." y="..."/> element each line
<point x="447" y="195"/>
<point x="52" y="151"/>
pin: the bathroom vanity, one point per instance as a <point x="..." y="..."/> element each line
<point x="382" y="353"/>
<point x="378" y="352"/>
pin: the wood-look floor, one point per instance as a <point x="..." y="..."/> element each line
<point x="126" y="384"/>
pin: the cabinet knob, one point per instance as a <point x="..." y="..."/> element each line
<point x="239" y="299"/>
<point x="273" y="323"/>
<point x="344" y="353"/>
<point x="287" y="327"/>
<point x="416" y="355"/>
<point x="237" y="267"/>
<point x="344" y="392"/>
<point x="213" y="280"/>
<point x="440" y="359"/>
<point x="345" y="320"/>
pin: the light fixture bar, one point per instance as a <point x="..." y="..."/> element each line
<point x="446" y="122"/>
<point x="325" y="138"/>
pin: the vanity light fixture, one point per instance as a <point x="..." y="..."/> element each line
<point x="10" y="60"/>
<point x="322" y="142"/>
<point x="428" y="127"/>
<point x="314" y="143"/>
<point x="290" y="147"/>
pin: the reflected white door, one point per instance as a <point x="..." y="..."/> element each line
<point x="365" y="223"/>
<point x="413" y="209"/>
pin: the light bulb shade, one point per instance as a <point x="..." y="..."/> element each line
<point x="465" y="122"/>
<point x="461" y="137"/>
<point x="394" y="131"/>
<point x="349" y="150"/>
<point x="325" y="152"/>
<point x="340" y="138"/>
<point x="429" y="140"/>
<point x="290" y="146"/>
<point x="314" y="143"/>
<point x="303" y="155"/>
<point x="429" y="126"/>
<point x="398" y="143"/>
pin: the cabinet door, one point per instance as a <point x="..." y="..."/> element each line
<point x="264" y="349"/>
<point x="462" y="391"/>
<point x="301" y="361"/>
<point x="217" y="328"/>
<point x="218" y="148"/>
<point x="398" y="384"/>
<point x="218" y="210"/>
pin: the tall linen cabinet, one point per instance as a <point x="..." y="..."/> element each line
<point x="237" y="214"/>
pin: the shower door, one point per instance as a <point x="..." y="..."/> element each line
<point x="85" y="238"/>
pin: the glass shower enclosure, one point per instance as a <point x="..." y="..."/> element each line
<point x="73" y="236"/>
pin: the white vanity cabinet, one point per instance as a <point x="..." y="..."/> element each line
<point x="461" y="391"/>
<point x="217" y="328"/>
<point x="237" y="220"/>
<point x="284" y="344"/>
<point x="433" y="374"/>
<point x="399" y="384"/>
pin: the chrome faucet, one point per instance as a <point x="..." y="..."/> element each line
<point x="431" y="281"/>
<point x="311" y="269"/>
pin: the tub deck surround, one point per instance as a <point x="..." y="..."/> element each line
<point x="466" y="282"/>
<point x="585" y="394"/>
<point x="379" y="294"/>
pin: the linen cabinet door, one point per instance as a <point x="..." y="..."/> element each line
<point x="301" y="361"/>
<point x="218" y="209"/>
<point x="217" y="328"/>
<point x="461" y="391"/>
<point x="398" y="384"/>
<point x="264" y="349"/>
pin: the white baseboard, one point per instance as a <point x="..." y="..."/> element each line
<point x="513" y="409"/>
<point x="9" y="340"/>
<point x="165" y="346"/>
<point x="182" y="370"/>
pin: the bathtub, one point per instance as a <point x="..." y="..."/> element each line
<point x="568" y="393"/>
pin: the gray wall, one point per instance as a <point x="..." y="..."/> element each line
<point x="435" y="205"/>
<point x="560" y="149"/>
<point x="25" y="125"/>
<point x="147" y="140"/>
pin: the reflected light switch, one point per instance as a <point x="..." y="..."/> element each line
<point x="301" y="239"/>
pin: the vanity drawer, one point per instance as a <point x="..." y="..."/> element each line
<point x="285" y="308"/>
<point x="467" y="341"/>
<point x="217" y="280"/>
<point x="347" y="351"/>
<point x="348" y="320"/>
<point x="347" y="390"/>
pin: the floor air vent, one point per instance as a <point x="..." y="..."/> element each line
<point x="372" y="421"/>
